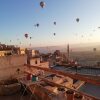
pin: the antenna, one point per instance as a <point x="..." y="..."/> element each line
<point x="68" y="51"/>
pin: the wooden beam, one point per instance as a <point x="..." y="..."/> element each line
<point x="31" y="87"/>
<point x="71" y="75"/>
<point x="59" y="85"/>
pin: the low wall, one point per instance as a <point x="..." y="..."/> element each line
<point x="44" y="64"/>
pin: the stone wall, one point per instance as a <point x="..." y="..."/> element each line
<point x="11" y="66"/>
<point x="35" y="61"/>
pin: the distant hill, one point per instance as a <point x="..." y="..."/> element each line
<point x="73" y="47"/>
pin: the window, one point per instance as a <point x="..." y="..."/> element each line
<point x="36" y="62"/>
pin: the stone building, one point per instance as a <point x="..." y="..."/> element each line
<point x="6" y="50"/>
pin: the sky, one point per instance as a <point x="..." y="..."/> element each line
<point x="18" y="17"/>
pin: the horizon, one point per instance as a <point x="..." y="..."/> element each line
<point x="73" y="44"/>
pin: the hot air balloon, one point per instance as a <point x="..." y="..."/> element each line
<point x="30" y="44"/>
<point x="90" y="34"/>
<point x="10" y="40"/>
<point x="42" y="4"/>
<point x="94" y="30"/>
<point x="82" y="36"/>
<point x="30" y="38"/>
<point x="17" y="39"/>
<point x="54" y="34"/>
<point x="76" y="34"/>
<point x="77" y="19"/>
<point x="26" y="35"/>
<point x="94" y="49"/>
<point x="99" y="27"/>
<point x="37" y="25"/>
<point x="54" y="23"/>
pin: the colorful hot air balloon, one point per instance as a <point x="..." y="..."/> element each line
<point x="77" y="19"/>
<point x="26" y="35"/>
<point x="42" y="4"/>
